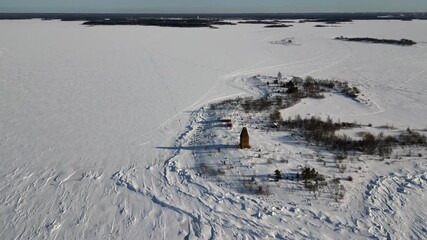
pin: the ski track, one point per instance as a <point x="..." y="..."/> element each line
<point x="390" y="202"/>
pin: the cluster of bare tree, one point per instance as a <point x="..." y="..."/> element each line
<point x="323" y="133"/>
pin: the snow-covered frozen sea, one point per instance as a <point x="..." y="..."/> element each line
<point x="83" y="111"/>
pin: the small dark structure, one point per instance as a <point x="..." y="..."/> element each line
<point x="244" y="139"/>
<point x="227" y="122"/>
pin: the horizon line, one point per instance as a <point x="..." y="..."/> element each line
<point x="204" y="13"/>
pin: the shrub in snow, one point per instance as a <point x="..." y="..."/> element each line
<point x="275" y="116"/>
<point x="312" y="179"/>
<point x="277" y="175"/>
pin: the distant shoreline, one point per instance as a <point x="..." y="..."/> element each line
<point x="212" y="20"/>
<point x="316" y="17"/>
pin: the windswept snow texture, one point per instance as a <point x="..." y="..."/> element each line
<point x="94" y="123"/>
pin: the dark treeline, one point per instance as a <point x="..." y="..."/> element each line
<point x="401" y="42"/>
<point x="289" y="93"/>
<point x="330" y="20"/>
<point x="324" y="133"/>
<point x="160" y="22"/>
<point x="258" y="22"/>
<point x="324" y="26"/>
<point x="323" y="17"/>
<point x="279" y="26"/>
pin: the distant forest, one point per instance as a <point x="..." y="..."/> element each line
<point x="320" y="17"/>
<point x="401" y="42"/>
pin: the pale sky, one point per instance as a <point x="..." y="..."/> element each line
<point x="212" y="6"/>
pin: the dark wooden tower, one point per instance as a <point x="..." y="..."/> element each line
<point x="244" y="139"/>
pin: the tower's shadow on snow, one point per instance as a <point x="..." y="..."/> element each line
<point x="200" y="147"/>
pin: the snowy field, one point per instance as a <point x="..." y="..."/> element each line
<point x="99" y="129"/>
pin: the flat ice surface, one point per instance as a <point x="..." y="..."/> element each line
<point x="83" y="110"/>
